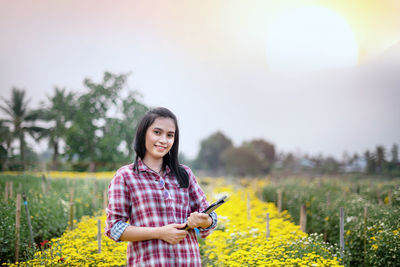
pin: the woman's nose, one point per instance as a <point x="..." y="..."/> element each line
<point x="163" y="138"/>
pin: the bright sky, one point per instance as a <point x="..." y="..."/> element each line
<point x="310" y="76"/>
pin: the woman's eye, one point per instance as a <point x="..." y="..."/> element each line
<point x="157" y="132"/>
<point x="170" y="135"/>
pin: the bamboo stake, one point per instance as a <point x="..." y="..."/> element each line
<point x="71" y="208"/>
<point x="268" y="233"/>
<point x="17" y="226"/>
<point x="303" y="218"/>
<point x="365" y="234"/>
<point x="99" y="235"/>
<point x="105" y="200"/>
<point x="328" y="202"/>
<point x="378" y="196"/>
<point x="28" y="217"/>
<point x="279" y="204"/>
<point x="44" y="185"/>
<point x="341" y="232"/>
<point x="6" y="192"/>
<point x="248" y="207"/>
<point x="95" y="195"/>
<point x="10" y="189"/>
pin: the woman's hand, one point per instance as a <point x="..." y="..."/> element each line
<point x="172" y="234"/>
<point x="201" y="220"/>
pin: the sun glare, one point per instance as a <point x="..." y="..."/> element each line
<point x="309" y="39"/>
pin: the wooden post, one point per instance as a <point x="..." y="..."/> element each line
<point x="390" y="196"/>
<point x="10" y="189"/>
<point x="365" y="234"/>
<point x="99" y="235"/>
<point x="95" y="195"/>
<point x="71" y="208"/>
<point x="328" y="202"/>
<point x="378" y="196"/>
<point x="6" y="193"/>
<point x="303" y="218"/>
<point x="17" y="226"/>
<point x="341" y="232"/>
<point x="28" y="217"/>
<point x="268" y="233"/>
<point x="328" y="199"/>
<point x="105" y="200"/>
<point x="44" y="185"/>
<point x="248" y="207"/>
<point x="279" y="204"/>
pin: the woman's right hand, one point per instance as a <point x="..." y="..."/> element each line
<point x="172" y="234"/>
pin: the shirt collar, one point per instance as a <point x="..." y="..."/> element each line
<point x="144" y="168"/>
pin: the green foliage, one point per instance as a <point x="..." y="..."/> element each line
<point x="381" y="163"/>
<point x="210" y="154"/>
<point x="242" y="161"/>
<point x="103" y="122"/>
<point x="59" y="112"/>
<point x="22" y="119"/>
<point x="49" y="212"/>
<point x="364" y="239"/>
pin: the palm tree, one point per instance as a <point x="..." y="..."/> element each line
<point x="59" y="113"/>
<point x="5" y="144"/>
<point x="20" y="118"/>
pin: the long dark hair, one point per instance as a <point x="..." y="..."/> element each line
<point x="171" y="158"/>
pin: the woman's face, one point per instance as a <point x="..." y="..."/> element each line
<point x="160" y="137"/>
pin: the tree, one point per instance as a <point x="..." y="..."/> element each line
<point x="5" y="145"/>
<point x="265" y="152"/>
<point x="104" y="125"/>
<point x="21" y="118"/>
<point x="88" y="125"/>
<point x="371" y="162"/>
<point x="211" y="150"/>
<point x="132" y="112"/>
<point x="290" y="163"/>
<point x="380" y="158"/>
<point x="59" y="112"/>
<point x="395" y="154"/>
<point x="242" y="161"/>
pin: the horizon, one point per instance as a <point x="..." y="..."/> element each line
<point x="212" y="65"/>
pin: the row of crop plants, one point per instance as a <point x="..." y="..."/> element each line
<point x="371" y="207"/>
<point x="242" y="238"/>
<point x="53" y="205"/>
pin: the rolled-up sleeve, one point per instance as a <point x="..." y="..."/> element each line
<point x="198" y="202"/>
<point x="118" y="208"/>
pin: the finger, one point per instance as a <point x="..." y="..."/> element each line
<point x="178" y="225"/>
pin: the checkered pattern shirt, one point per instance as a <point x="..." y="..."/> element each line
<point x="136" y="195"/>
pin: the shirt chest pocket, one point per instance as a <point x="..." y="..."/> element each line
<point x="180" y="195"/>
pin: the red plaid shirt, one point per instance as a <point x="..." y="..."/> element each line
<point x="138" y="196"/>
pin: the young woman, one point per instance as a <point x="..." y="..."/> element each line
<point x="159" y="197"/>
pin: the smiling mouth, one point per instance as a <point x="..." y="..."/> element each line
<point x="161" y="147"/>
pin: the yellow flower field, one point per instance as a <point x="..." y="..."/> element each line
<point x="239" y="240"/>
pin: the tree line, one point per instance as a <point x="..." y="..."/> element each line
<point x="218" y="156"/>
<point x="95" y="130"/>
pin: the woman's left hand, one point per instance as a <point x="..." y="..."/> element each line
<point x="197" y="220"/>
